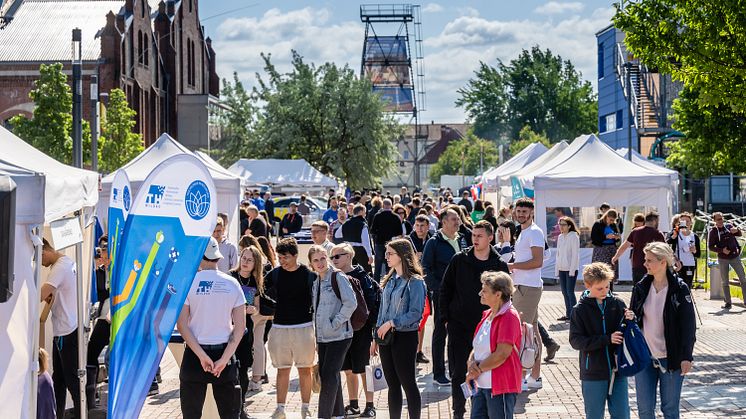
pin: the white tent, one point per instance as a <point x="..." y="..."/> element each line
<point x="46" y="190"/>
<point x="282" y="173"/>
<point x="638" y="159"/>
<point x="227" y="184"/>
<point x="505" y="192"/>
<point x="491" y="178"/>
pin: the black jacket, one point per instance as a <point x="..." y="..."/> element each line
<point x="591" y="327"/>
<point x="385" y="226"/>
<point x="371" y="292"/>
<point x="436" y="256"/>
<point x="292" y="222"/>
<point x="597" y="232"/>
<point x="419" y="245"/>
<point x="459" y="291"/>
<point x="678" y="317"/>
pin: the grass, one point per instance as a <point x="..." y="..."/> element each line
<point x="735" y="290"/>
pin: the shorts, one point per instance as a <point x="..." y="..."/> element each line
<point x="526" y="302"/>
<point x="292" y="346"/>
<point x="358" y="356"/>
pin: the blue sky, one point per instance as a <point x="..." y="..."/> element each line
<point x="457" y="35"/>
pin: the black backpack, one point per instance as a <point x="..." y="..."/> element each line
<point x="360" y="315"/>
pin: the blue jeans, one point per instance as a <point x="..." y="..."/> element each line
<point x="646" y="383"/>
<point x="486" y="406"/>
<point x="567" y="285"/>
<point x="596" y="396"/>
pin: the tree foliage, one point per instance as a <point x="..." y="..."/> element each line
<point x="119" y="144"/>
<point x="462" y="157"/>
<point x="537" y="89"/>
<point x="329" y="117"/>
<point x="525" y="138"/>
<point x="237" y="124"/>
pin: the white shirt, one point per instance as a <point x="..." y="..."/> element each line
<point x="652" y="321"/>
<point x="64" y="309"/>
<point x="530" y="237"/>
<point x="682" y="249"/>
<point x="568" y="253"/>
<point x="211" y="299"/>
<point x="481" y="345"/>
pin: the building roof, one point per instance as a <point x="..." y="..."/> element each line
<point x="41" y="30"/>
<point x="448" y="133"/>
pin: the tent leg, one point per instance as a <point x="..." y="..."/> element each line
<point x="82" y="315"/>
<point x="36" y="239"/>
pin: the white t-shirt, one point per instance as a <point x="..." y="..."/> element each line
<point x="530" y="237"/>
<point x="211" y="300"/>
<point x="481" y="344"/>
<point x="682" y="250"/>
<point x="64" y="310"/>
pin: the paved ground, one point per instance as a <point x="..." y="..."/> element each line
<point x="715" y="389"/>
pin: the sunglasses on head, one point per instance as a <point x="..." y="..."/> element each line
<point x="338" y="255"/>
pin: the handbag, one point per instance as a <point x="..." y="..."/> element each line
<point x="388" y="338"/>
<point x="374" y="375"/>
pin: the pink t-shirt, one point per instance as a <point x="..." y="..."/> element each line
<point x="506" y="328"/>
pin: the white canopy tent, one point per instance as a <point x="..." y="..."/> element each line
<point x="638" y="159"/>
<point x="588" y="173"/>
<point x="279" y="173"/>
<point x="227" y="184"/>
<point x="490" y="179"/>
<point x="505" y="192"/>
<point x="46" y="190"/>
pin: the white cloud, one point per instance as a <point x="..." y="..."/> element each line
<point x="468" y="11"/>
<point x="432" y="8"/>
<point x="556" y="8"/>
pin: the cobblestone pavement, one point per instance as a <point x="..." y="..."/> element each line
<point x="716" y="387"/>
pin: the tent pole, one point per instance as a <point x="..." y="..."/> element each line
<point x="36" y="240"/>
<point x="81" y="322"/>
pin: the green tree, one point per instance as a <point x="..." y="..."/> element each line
<point x="119" y="144"/>
<point x="463" y="157"/>
<point x="537" y="89"/>
<point x="526" y="137"/>
<point x="237" y="124"/>
<point x="329" y="117"/>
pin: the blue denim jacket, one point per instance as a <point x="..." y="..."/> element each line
<point x="332" y="314"/>
<point x="403" y="302"/>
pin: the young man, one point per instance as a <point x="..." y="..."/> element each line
<point x="292" y="222"/>
<point x="529" y="258"/>
<point x="292" y="340"/>
<point x="331" y="213"/>
<point x="385" y="226"/>
<point x="61" y="285"/>
<point x="460" y="306"/>
<point x="436" y="256"/>
<point x="227" y="249"/>
<point x="319" y="233"/>
<point x="722" y="240"/>
<point x="421" y="234"/>
<point x="416" y="206"/>
<point x="355" y="232"/>
<point x="358" y="356"/>
<point x="638" y="238"/>
<point x="466" y="202"/>
<point x="211" y="322"/>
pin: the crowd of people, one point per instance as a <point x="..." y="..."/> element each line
<point x="379" y="265"/>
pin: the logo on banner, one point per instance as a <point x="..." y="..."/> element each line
<point x="155" y="194"/>
<point x="126" y="197"/>
<point x="115" y="194"/>
<point x="197" y="200"/>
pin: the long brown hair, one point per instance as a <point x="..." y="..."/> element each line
<point x="267" y="249"/>
<point x="411" y="268"/>
<point x="247" y="240"/>
<point x="258" y="271"/>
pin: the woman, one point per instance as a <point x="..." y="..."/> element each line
<point x="263" y="322"/>
<point x="466" y="225"/>
<point x="494" y="367"/>
<point x="478" y="211"/>
<point x="268" y="221"/>
<point x="489" y="216"/>
<point x="662" y="305"/>
<point x="247" y="240"/>
<point x="685" y="246"/>
<point x="269" y="253"/>
<point x="504" y="215"/>
<point x="567" y="261"/>
<point x="333" y="303"/>
<point x="250" y="274"/>
<point x="401" y="211"/>
<point x="604" y="236"/>
<point x="399" y="314"/>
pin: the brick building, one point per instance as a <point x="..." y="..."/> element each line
<point x="155" y="51"/>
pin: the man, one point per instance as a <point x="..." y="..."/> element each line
<point x="337" y="224"/>
<point x="358" y="355"/>
<point x="319" y="233"/>
<point x="291" y="340"/>
<point x="436" y="256"/>
<point x="331" y="213"/>
<point x="638" y="238"/>
<point x="211" y="322"/>
<point x="303" y="208"/>
<point x="460" y="306"/>
<point x="529" y="258"/>
<point x="230" y="258"/>
<point x="404" y="197"/>
<point x="355" y="233"/>
<point x="416" y="205"/>
<point x="722" y="240"/>
<point x="466" y="202"/>
<point x="386" y="225"/>
<point x="331" y="194"/>
<point x="257" y="225"/>
<point x="61" y="287"/>
<point x="421" y="234"/>
<point x="291" y="222"/>
<point x="269" y="206"/>
<point x="257" y="200"/>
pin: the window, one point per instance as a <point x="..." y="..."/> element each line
<point x="189" y="62"/>
<point x="139" y="47"/>
<point x="601" y="60"/>
<point x="619" y="119"/>
<point x="611" y="121"/>
<point x="405" y="155"/>
<point x="602" y="124"/>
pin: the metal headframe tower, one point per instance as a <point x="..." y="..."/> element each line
<point x="393" y="61"/>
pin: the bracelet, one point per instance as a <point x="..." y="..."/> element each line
<point x="479" y="367"/>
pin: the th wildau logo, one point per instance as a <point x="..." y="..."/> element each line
<point x="197" y="200"/>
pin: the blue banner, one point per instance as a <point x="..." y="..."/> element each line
<point x="164" y="238"/>
<point x="516" y="187"/>
<point x="120" y="203"/>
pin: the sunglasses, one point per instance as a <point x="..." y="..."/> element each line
<point x="338" y="256"/>
<point x="401" y="213"/>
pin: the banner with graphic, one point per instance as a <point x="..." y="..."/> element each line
<point x="164" y="238"/>
<point x="120" y="202"/>
<point x="516" y="187"/>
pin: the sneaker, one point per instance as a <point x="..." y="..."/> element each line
<point x="563" y="319"/>
<point x="305" y="413"/>
<point x="533" y="383"/>
<point x="351" y="412"/>
<point x="153" y="389"/>
<point x="524" y="385"/>
<point x="551" y="351"/>
<point x="369" y="412"/>
<point x="255" y="385"/>
<point x="726" y="306"/>
<point x="279" y="413"/>
<point x="265" y="379"/>
<point x="422" y="359"/>
<point x="442" y="381"/>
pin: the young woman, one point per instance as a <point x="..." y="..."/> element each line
<point x="249" y="273"/>
<point x="332" y="306"/>
<point x="663" y="307"/>
<point x="567" y="261"/>
<point x="269" y="253"/>
<point x="478" y="211"/>
<point x="685" y="245"/>
<point x="605" y="236"/>
<point x="399" y="315"/>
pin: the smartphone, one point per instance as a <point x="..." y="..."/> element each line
<point x="682" y="225"/>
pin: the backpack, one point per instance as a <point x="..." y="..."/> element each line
<point x="529" y="346"/>
<point x="360" y="316"/>
<point x="633" y="355"/>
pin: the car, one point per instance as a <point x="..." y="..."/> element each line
<point x="317" y="206"/>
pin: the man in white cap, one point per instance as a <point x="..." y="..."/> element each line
<point x="212" y="322"/>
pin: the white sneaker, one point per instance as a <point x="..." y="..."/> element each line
<point x="524" y="385"/>
<point x="255" y="385"/>
<point x="279" y="413"/>
<point x="533" y="383"/>
<point x="305" y="413"/>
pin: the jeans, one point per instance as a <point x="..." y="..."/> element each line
<point x="439" y="337"/>
<point x="486" y="406"/>
<point x="379" y="259"/>
<point x="646" y="384"/>
<point x="567" y="284"/>
<point x="245" y="358"/>
<point x="331" y="356"/>
<point x="65" y="374"/>
<point x="459" y="347"/>
<point x="724" y="265"/>
<point x="193" y="382"/>
<point x="596" y="396"/>
<point x="398" y="363"/>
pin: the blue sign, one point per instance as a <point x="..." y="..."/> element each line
<point x="197" y="200"/>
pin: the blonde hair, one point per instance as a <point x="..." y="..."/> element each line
<point x="43" y="361"/>
<point x="312" y="251"/>
<point x="344" y="246"/>
<point x="411" y="268"/>
<point x="661" y="251"/>
<point x="597" y="272"/>
<point x="499" y="281"/>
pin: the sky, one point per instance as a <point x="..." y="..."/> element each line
<point x="457" y="35"/>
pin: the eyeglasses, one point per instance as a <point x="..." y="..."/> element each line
<point x="401" y="212"/>
<point x="338" y="256"/>
<point x="387" y="254"/>
<point x="564" y="224"/>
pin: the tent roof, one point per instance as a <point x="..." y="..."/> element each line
<point x="540" y="162"/>
<point x="280" y="172"/>
<point x="212" y="164"/>
<point x="523" y="158"/>
<point x="642" y="161"/>
<point x="66" y="189"/>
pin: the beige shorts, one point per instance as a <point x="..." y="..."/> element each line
<point x="526" y="302"/>
<point x="292" y="346"/>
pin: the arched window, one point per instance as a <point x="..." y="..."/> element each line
<point x="146" y="48"/>
<point x="139" y="47"/>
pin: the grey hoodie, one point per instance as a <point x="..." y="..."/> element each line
<point x="332" y="314"/>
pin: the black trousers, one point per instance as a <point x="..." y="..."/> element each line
<point x="459" y="348"/>
<point x="546" y="340"/>
<point x="331" y="357"/>
<point x="439" y="337"/>
<point x="65" y="375"/>
<point x="245" y="357"/>
<point x="687" y="274"/>
<point x="194" y="380"/>
<point x="399" y="368"/>
<point x="379" y="260"/>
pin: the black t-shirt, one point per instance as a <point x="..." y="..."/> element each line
<point x="258" y="227"/>
<point x="292" y="292"/>
<point x="246" y="282"/>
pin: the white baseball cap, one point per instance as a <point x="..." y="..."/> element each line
<point x="212" y="251"/>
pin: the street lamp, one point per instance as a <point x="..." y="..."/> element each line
<point x="77" y="61"/>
